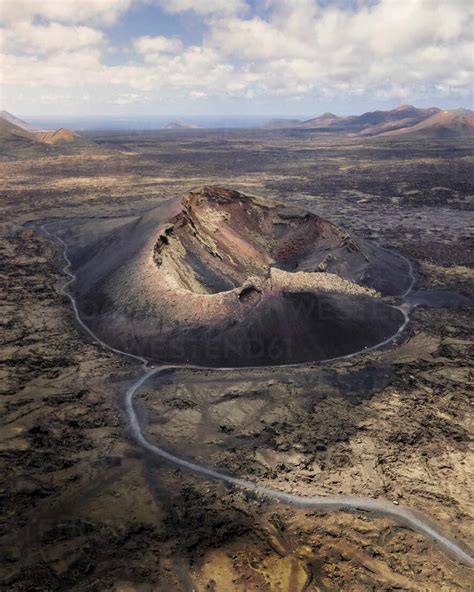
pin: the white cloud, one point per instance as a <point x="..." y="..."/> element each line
<point x="108" y="11"/>
<point x="256" y="39"/>
<point x="61" y="70"/>
<point x="155" y="45"/>
<point x="197" y="68"/>
<point x="294" y="49"/>
<point x="28" y="38"/>
<point x="389" y="26"/>
<point x="304" y="46"/>
<point x="127" y="99"/>
<point x="204" y="7"/>
<point x="198" y="94"/>
<point x="65" y="11"/>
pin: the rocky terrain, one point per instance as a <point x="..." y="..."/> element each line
<point x="85" y="508"/>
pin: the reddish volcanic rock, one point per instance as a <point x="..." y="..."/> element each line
<point x="220" y="278"/>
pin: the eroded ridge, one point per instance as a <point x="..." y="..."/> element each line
<point x="222" y="239"/>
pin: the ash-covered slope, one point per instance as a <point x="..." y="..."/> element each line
<point x="219" y="278"/>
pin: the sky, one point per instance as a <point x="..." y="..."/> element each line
<point x="233" y="57"/>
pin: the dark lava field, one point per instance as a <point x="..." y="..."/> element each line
<point x="87" y="507"/>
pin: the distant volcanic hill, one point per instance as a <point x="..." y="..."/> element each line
<point x="282" y="123"/>
<point x="18" y="139"/>
<point x="59" y="136"/>
<point x="182" y="125"/>
<point x="327" y="120"/>
<point x="401" y="117"/>
<point x="400" y="113"/>
<point x="220" y="278"/>
<point x="15" y="140"/>
<point x="457" y="123"/>
<point x="443" y="124"/>
<point x="11" y="132"/>
<point x="6" y="116"/>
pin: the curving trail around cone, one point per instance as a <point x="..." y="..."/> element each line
<point x="412" y="519"/>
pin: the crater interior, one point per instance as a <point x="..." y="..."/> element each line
<point x="221" y="278"/>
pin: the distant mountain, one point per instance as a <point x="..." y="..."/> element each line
<point x="14" y="139"/>
<point x="462" y="111"/>
<point x="371" y="123"/>
<point x="387" y="123"/>
<point x="282" y="123"/>
<point x="9" y="132"/>
<point x="327" y="120"/>
<point x="5" y="115"/>
<point x="458" y="123"/>
<point x="401" y="117"/>
<point x="62" y="135"/>
<point x="400" y="112"/>
<point x="182" y="125"/>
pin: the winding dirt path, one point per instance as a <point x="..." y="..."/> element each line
<point x="409" y="518"/>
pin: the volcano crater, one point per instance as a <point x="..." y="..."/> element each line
<point x="218" y="278"/>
